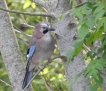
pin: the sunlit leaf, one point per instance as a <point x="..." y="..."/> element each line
<point x="27" y="4"/>
<point x="33" y="5"/>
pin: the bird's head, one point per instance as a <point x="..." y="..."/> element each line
<point x="44" y="27"/>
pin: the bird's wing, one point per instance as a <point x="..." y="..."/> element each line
<point x="30" y="53"/>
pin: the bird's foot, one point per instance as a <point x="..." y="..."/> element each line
<point x="49" y="60"/>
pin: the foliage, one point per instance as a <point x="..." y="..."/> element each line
<point x="54" y="73"/>
<point x="91" y="19"/>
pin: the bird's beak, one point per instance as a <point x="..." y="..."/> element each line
<point x="51" y="29"/>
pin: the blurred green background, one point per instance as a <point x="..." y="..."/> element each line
<point x="53" y="74"/>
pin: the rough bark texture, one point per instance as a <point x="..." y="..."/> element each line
<point x="66" y="30"/>
<point x="10" y="51"/>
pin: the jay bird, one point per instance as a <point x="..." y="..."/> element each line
<point x="40" y="48"/>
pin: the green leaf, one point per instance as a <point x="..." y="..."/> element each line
<point x="99" y="8"/>
<point x="104" y="43"/>
<point x="95" y="76"/>
<point x="89" y="74"/>
<point x="70" y="1"/>
<point x="99" y="67"/>
<point x="98" y="15"/>
<point x="93" y="87"/>
<point x="88" y="70"/>
<point x="98" y="34"/>
<point x="84" y="9"/>
<point x="100" y="23"/>
<point x="105" y="26"/>
<point x="102" y="62"/>
<point x="100" y="50"/>
<point x="78" y="14"/>
<point x="27" y="4"/>
<point x="90" y="23"/>
<point x="90" y="38"/>
<point x="89" y="53"/>
<point x="90" y="66"/>
<point x="60" y="16"/>
<point x="70" y="53"/>
<point x="94" y="71"/>
<point x="78" y="46"/>
<point x="100" y="81"/>
<point x="77" y="43"/>
<point x="97" y="4"/>
<point x="83" y="31"/>
<point x="33" y="5"/>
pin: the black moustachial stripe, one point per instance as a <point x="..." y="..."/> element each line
<point x="45" y="31"/>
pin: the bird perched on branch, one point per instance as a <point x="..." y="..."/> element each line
<point x="40" y="48"/>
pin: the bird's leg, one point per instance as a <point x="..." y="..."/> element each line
<point x="49" y="60"/>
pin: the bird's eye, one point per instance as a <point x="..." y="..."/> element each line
<point x="44" y="27"/>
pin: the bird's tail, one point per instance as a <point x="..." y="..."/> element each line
<point x="27" y="78"/>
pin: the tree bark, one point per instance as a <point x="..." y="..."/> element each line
<point x="10" y="51"/>
<point x="66" y="31"/>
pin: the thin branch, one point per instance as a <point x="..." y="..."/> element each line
<point x="26" y="42"/>
<point x="81" y="4"/>
<point x="21" y="32"/>
<point x="5" y="83"/>
<point x="87" y="48"/>
<point x="27" y="25"/>
<point x="46" y="84"/>
<point x="26" y="13"/>
<point x="58" y="89"/>
<point x="46" y="64"/>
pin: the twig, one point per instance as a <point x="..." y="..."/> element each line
<point x="47" y="63"/>
<point x="21" y="32"/>
<point x="81" y="4"/>
<point x="58" y="89"/>
<point x="26" y="42"/>
<point x="5" y="83"/>
<point x="47" y="85"/>
<point x="26" y="13"/>
<point x="27" y="25"/>
<point x="87" y="48"/>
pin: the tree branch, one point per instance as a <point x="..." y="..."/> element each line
<point x="26" y="42"/>
<point x="81" y="4"/>
<point x="47" y="63"/>
<point x="46" y="84"/>
<point x="21" y="32"/>
<point x="26" y="13"/>
<point x="27" y="25"/>
<point x="5" y="83"/>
